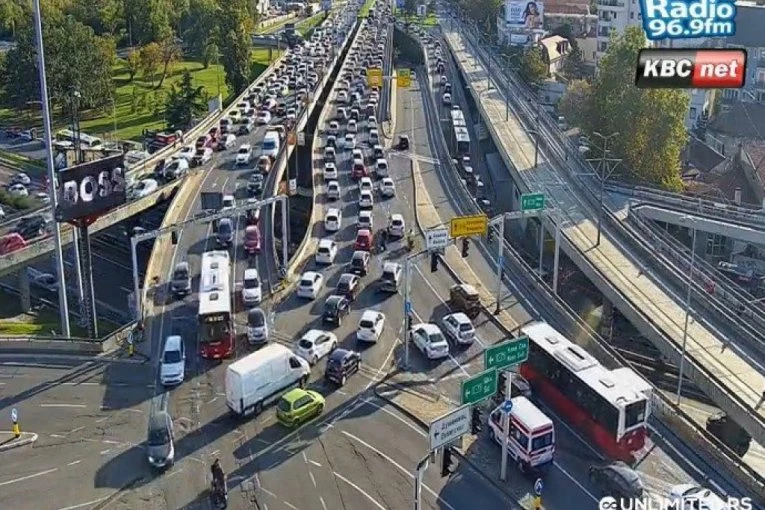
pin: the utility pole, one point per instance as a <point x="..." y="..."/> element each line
<point x="604" y="169"/>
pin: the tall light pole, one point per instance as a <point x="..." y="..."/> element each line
<point x="63" y="305"/>
<point x="603" y="171"/>
<point x="692" y="221"/>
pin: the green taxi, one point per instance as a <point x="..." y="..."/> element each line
<point x="298" y="406"/>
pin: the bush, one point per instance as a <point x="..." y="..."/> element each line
<point x="18" y="203"/>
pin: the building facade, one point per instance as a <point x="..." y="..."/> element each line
<point x="750" y="34"/>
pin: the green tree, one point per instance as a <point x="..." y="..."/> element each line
<point x="575" y="104"/>
<point x="12" y="14"/>
<point x="202" y="26"/>
<point x="170" y="53"/>
<point x="146" y="20"/>
<point x="533" y="68"/>
<point x="574" y="66"/>
<point x="210" y="54"/>
<point x="484" y="12"/>
<point x="74" y="60"/>
<point x="410" y="7"/>
<point x="235" y="26"/>
<point x="184" y="102"/>
<point x="133" y="63"/>
<point x="151" y="58"/>
<point x="650" y="122"/>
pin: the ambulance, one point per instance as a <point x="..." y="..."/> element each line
<point x="531" y="442"/>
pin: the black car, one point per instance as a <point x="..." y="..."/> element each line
<point x="617" y="480"/>
<point x="335" y="308"/>
<point x="341" y="364"/>
<point x="31" y="227"/>
<point x="255" y="184"/>
<point x="360" y="263"/>
<point x="403" y="143"/>
<point x="347" y="286"/>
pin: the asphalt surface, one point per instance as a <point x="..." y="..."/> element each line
<point x="664" y="463"/>
<point x="86" y="412"/>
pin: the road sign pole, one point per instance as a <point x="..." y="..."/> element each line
<point x="421" y="467"/>
<point x="500" y="261"/>
<point x="556" y="259"/>
<point x="506" y="428"/>
<point x="541" y="246"/>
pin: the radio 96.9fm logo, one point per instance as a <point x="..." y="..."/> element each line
<point x="90" y="189"/>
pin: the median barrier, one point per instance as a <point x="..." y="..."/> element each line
<point x="60" y="344"/>
<point x="284" y="18"/>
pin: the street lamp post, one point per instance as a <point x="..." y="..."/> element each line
<point x="603" y="171"/>
<point x="692" y="221"/>
<point x="63" y="305"/>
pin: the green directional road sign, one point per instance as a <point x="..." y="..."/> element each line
<point x="479" y="387"/>
<point x="532" y="201"/>
<point x="505" y="354"/>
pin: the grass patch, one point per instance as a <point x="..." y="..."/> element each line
<point x="138" y="104"/>
<point x="364" y="11"/>
<point x="44" y="322"/>
<point x="306" y="26"/>
<point x="428" y="21"/>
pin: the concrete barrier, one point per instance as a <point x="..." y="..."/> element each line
<point x="284" y="18"/>
<point x="41" y="343"/>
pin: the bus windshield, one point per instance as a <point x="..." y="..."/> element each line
<point x="634" y="414"/>
<point x="213" y="332"/>
<point x="542" y="442"/>
<point x="269" y="145"/>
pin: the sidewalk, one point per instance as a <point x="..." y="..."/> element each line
<point x="9" y="442"/>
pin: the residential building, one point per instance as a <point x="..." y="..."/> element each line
<point x="615" y="15"/>
<point x="554" y="50"/>
<point x="588" y="44"/>
<point x="750" y="34"/>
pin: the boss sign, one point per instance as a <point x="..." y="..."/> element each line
<point x="90" y="189"/>
<point x="691" y="69"/>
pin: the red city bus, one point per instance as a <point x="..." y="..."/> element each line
<point x="610" y="407"/>
<point x="216" y="326"/>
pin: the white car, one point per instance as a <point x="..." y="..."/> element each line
<point x="333" y="128"/>
<point x="145" y="188"/>
<point x="330" y="171"/>
<point x="333" y="220"/>
<point x="202" y="155"/>
<point x="357" y="154"/>
<point x="333" y="190"/>
<point x="381" y="167"/>
<point x="227" y="141"/>
<point x="365" y="220"/>
<point x="173" y="366"/>
<point x="374" y="136"/>
<point x="252" y="291"/>
<point x="316" y="344"/>
<point x="430" y="341"/>
<point x="187" y="152"/>
<point x="458" y="327"/>
<point x="264" y="117"/>
<point x="696" y="496"/>
<point x="326" y="251"/>
<point x="387" y="187"/>
<point x="342" y="97"/>
<point x="229" y="202"/>
<point x="371" y="326"/>
<point x="310" y="285"/>
<point x="18" y="190"/>
<point x="350" y="141"/>
<point x="352" y="126"/>
<point x="365" y="184"/>
<point x="366" y="199"/>
<point x="244" y="154"/>
<point x="21" y="178"/>
<point x="447" y="99"/>
<point x="396" y="225"/>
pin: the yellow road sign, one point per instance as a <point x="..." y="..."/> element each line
<point x="374" y="77"/>
<point x="468" y="226"/>
<point x="403" y="78"/>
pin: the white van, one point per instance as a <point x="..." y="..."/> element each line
<point x="260" y="378"/>
<point x="531" y="443"/>
<point x="271" y="144"/>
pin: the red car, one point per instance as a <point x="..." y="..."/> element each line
<point x="214" y="134"/>
<point x="358" y="171"/>
<point x="252" y="239"/>
<point x="11" y="243"/>
<point x="364" y="240"/>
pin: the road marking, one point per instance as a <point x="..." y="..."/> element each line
<point x="74" y="462"/>
<point x="293" y="507"/>
<point x="315" y="463"/>
<point x="104" y="452"/>
<point x="79" y="406"/>
<point x="323" y="504"/>
<point x="76" y="430"/>
<point x="361" y="491"/>
<point x="398" y="466"/>
<point x="313" y="480"/>
<point x="399" y="418"/>
<point x="87" y="503"/>
<point x="28" y="477"/>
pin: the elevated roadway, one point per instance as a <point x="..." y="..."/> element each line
<point x="724" y="370"/>
<point x="439" y="189"/>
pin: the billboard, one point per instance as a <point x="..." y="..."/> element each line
<point x="524" y="14"/>
<point x="90" y="189"/>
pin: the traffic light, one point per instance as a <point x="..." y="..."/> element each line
<point x="446" y="462"/>
<point x="465" y="247"/>
<point x="490" y="235"/>
<point x="433" y="262"/>
<point x="409" y="321"/>
<point x="174" y="237"/>
<point x="475" y="421"/>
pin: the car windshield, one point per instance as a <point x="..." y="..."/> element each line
<point x="269" y="145"/>
<point x="244" y="150"/>
<point x="323" y="250"/>
<point x="542" y="442"/>
<point x="388" y="276"/>
<point x="357" y="262"/>
<point x="466" y="327"/>
<point x="283" y="406"/>
<point x="306" y="282"/>
<point x="366" y="324"/>
<point x="305" y="344"/>
<point x="435" y="338"/>
<point x="171" y="357"/>
<point x="224" y="227"/>
<point x="331" y="306"/>
<point x="251" y="283"/>
<point x="256" y="319"/>
<point x="158" y="436"/>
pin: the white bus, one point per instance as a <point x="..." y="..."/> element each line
<point x="65" y="140"/>
<point x="216" y="318"/>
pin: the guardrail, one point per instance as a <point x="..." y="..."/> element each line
<point x="583" y="189"/>
<point x="537" y="296"/>
<point x="45" y="343"/>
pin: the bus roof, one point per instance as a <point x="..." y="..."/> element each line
<point x="462" y="137"/>
<point x="88" y="139"/>
<point x="529" y="414"/>
<point x="214" y="285"/>
<point x="619" y="387"/>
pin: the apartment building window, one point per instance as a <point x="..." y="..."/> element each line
<point x="632" y="15"/>
<point x="692" y="113"/>
<point x="761" y="77"/>
<point x="716" y="245"/>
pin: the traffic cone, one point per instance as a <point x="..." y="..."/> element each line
<point x="16" y="430"/>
